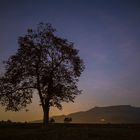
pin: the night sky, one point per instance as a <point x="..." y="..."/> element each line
<point x="107" y="34"/>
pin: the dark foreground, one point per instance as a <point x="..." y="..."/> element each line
<point x="70" y="132"/>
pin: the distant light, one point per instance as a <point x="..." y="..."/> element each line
<point x="102" y="120"/>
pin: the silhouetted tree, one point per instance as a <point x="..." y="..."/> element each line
<point x="9" y="121"/>
<point x="67" y="120"/>
<point x="52" y="120"/>
<point x="44" y="64"/>
<point x="2" y="122"/>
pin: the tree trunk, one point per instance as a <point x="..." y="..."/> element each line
<point x="46" y="116"/>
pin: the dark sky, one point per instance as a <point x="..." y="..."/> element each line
<point x="105" y="31"/>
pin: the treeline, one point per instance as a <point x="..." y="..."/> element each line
<point x="10" y="122"/>
<point x="52" y="120"/>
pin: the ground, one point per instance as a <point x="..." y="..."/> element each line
<point x="70" y="132"/>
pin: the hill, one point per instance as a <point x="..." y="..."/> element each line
<point x="108" y="114"/>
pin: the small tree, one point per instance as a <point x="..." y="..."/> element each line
<point x="67" y="120"/>
<point x="44" y="64"/>
<point x="52" y="120"/>
<point x="9" y="121"/>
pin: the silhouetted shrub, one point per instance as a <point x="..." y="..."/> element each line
<point x="67" y="120"/>
<point x="9" y="121"/>
<point x="52" y="120"/>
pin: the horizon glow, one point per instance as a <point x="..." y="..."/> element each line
<point x="106" y="35"/>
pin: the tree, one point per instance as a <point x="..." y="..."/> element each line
<point x="44" y="64"/>
<point x="52" y="120"/>
<point x="67" y="120"/>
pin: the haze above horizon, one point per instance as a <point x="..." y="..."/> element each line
<point x="106" y="33"/>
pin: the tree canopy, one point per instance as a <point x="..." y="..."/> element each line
<point x="44" y="64"/>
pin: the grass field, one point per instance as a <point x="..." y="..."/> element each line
<point x="70" y="132"/>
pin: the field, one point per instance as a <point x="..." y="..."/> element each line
<point x="70" y="132"/>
